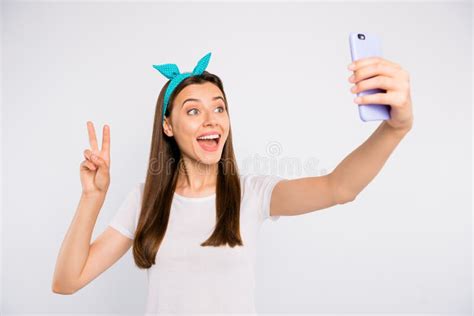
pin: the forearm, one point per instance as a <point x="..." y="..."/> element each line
<point x="75" y="247"/>
<point x="356" y="170"/>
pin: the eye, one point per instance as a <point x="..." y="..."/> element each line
<point x="220" y="107"/>
<point x="192" y="109"/>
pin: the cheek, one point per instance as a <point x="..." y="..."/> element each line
<point x="227" y="127"/>
<point x="225" y="122"/>
<point x="186" y="135"/>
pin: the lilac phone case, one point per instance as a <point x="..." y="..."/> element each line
<point x="368" y="45"/>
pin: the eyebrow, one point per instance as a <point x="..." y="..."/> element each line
<point x="190" y="99"/>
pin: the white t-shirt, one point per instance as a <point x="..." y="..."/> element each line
<point x="189" y="278"/>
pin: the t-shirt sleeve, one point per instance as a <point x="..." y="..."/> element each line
<point x="126" y="218"/>
<point x="262" y="186"/>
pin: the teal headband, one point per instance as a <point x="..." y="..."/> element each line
<point x="171" y="72"/>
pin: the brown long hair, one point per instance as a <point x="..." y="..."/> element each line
<point x="162" y="174"/>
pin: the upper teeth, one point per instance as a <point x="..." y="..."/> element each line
<point x="209" y="136"/>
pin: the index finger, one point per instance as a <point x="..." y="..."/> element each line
<point x="92" y="137"/>
<point x="365" y="61"/>
<point x="106" y="140"/>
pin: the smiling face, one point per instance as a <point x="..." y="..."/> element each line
<point x="199" y="109"/>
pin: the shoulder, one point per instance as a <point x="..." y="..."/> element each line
<point x="140" y="187"/>
<point x="135" y="194"/>
<point x="137" y="189"/>
<point x="259" y="183"/>
<point x="256" y="179"/>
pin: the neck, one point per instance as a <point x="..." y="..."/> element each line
<point x="196" y="178"/>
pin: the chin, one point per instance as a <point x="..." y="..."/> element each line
<point x="207" y="157"/>
<point x="207" y="161"/>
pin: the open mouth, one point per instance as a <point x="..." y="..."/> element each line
<point x="209" y="144"/>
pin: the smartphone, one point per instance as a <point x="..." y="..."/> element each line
<point x="368" y="45"/>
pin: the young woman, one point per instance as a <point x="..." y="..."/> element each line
<point x="193" y="223"/>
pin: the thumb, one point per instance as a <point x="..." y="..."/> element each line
<point x="100" y="162"/>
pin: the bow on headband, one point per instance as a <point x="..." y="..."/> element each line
<point x="171" y="72"/>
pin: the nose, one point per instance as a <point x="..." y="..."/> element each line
<point x="210" y="118"/>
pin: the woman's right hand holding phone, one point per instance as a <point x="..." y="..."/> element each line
<point x="95" y="169"/>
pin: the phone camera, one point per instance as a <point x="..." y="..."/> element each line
<point x="361" y="36"/>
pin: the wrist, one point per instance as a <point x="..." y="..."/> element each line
<point x="93" y="194"/>
<point x="399" y="131"/>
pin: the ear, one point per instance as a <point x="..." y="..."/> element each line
<point x="167" y="128"/>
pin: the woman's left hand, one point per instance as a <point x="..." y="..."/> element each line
<point x="377" y="72"/>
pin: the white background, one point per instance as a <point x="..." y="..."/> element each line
<point x="403" y="246"/>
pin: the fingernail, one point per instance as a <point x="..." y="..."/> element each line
<point x="93" y="157"/>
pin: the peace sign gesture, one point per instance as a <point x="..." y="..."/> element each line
<point x="95" y="169"/>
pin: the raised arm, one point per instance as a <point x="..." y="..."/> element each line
<point x="75" y="247"/>
<point x="354" y="173"/>
<point x="95" y="180"/>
